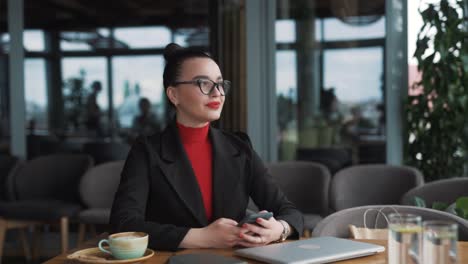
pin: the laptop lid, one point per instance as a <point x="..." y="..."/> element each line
<point x="314" y="250"/>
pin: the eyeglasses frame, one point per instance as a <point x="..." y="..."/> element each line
<point x="198" y="83"/>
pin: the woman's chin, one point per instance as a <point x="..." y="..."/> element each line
<point x="213" y="117"/>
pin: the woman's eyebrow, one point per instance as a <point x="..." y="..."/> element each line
<point x="200" y="77"/>
<point x="206" y="77"/>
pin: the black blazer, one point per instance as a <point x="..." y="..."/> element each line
<point x="159" y="194"/>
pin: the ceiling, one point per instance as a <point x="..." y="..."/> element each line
<point x="298" y="9"/>
<point x="86" y="14"/>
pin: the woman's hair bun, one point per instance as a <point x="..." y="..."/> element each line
<point x="170" y="50"/>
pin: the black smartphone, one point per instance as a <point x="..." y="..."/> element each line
<point x="252" y="218"/>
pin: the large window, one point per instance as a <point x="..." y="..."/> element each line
<point x="86" y="71"/>
<point x="143" y="37"/>
<point x="76" y="41"/>
<point x="82" y="101"/>
<point x="358" y="89"/>
<point x="285" y="31"/>
<point x="36" y="94"/>
<point x="186" y="37"/>
<point x="335" y="29"/>
<point x="286" y="85"/>
<point x="135" y="78"/>
<point x="135" y="61"/>
<point x="330" y="89"/>
<point x="34" y="40"/>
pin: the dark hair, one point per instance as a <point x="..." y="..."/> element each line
<point x="96" y="85"/>
<point x="144" y="100"/>
<point x="327" y="96"/>
<point x="175" y="56"/>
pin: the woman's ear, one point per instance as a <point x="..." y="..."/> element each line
<point x="172" y="95"/>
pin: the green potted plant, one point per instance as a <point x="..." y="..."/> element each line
<point x="437" y="118"/>
<point x="459" y="207"/>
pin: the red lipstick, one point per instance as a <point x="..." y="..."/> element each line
<point x="213" y="105"/>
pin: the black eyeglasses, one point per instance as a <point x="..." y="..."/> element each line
<point x="207" y="86"/>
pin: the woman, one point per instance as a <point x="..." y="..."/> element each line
<point x="188" y="186"/>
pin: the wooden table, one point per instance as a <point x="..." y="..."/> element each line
<point x="163" y="256"/>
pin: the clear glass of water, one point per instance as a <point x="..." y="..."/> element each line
<point x="404" y="238"/>
<point x="440" y="242"/>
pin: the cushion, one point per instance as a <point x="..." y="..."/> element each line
<point x="42" y="210"/>
<point x="95" y="216"/>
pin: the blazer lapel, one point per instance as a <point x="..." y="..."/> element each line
<point x="228" y="165"/>
<point x="178" y="171"/>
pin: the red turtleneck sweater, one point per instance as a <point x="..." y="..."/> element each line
<point x="197" y="145"/>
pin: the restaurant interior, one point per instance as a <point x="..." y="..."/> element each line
<point x="354" y="106"/>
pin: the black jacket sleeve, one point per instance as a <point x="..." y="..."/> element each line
<point x="268" y="196"/>
<point x="130" y="203"/>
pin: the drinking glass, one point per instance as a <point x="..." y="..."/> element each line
<point x="440" y="242"/>
<point x="404" y="238"/>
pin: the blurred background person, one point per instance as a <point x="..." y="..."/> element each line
<point x="329" y="105"/>
<point x="331" y="116"/>
<point x="93" y="111"/>
<point x="356" y="126"/>
<point x="146" y="123"/>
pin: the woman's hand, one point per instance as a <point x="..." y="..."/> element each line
<point x="222" y="233"/>
<point x="253" y="236"/>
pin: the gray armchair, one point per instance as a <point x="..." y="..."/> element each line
<point x="106" y="151"/>
<point x="447" y="191"/>
<point x="372" y="184"/>
<point x="306" y="184"/>
<point x="332" y="158"/>
<point x="42" y="191"/>
<point x="97" y="190"/>
<point x="337" y="224"/>
<point x="7" y="165"/>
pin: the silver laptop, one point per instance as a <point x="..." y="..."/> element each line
<point x="314" y="250"/>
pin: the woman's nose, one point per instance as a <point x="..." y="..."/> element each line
<point x="216" y="92"/>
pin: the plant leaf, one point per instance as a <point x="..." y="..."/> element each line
<point x="462" y="203"/>
<point x="459" y="212"/>
<point x="436" y="121"/>
<point x="462" y="207"/>
<point x="439" y="206"/>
